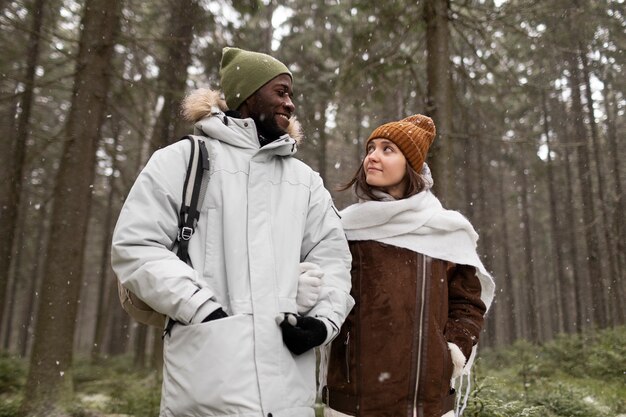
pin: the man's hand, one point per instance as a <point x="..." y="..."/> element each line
<point x="301" y="333"/>
<point x="309" y="286"/>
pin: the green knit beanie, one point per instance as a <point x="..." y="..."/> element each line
<point x="244" y="72"/>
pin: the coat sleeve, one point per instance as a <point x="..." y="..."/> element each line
<point x="145" y="233"/>
<point x="324" y="243"/>
<point x="465" y="308"/>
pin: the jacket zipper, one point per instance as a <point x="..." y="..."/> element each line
<point x="347" y="345"/>
<point x="419" y="345"/>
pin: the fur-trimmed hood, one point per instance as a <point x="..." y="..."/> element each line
<point x="204" y="102"/>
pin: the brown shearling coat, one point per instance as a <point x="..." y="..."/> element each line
<point x="391" y="356"/>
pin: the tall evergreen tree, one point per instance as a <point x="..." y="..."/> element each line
<point x="49" y="377"/>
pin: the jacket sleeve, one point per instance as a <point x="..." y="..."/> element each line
<point x="465" y="308"/>
<point x="146" y="232"/>
<point x="324" y="243"/>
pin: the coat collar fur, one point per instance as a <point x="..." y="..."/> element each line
<point x="203" y="103"/>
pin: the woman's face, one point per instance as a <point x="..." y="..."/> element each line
<point x="385" y="167"/>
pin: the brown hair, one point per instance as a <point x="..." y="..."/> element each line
<point x="414" y="184"/>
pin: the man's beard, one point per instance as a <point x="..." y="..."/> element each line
<point x="267" y="127"/>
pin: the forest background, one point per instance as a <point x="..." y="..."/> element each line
<point x="528" y="99"/>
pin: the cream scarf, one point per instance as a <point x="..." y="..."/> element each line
<point x="421" y="224"/>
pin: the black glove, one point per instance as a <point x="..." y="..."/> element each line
<point x="301" y="333"/>
<point x="217" y="314"/>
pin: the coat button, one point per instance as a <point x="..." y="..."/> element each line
<point x="269" y="415"/>
<point x="245" y="124"/>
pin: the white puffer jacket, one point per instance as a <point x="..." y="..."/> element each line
<point x="263" y="214"/>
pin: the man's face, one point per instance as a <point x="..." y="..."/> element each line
<point x="271" y="106"/>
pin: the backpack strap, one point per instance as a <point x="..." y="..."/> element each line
<point x="194" y="190"/>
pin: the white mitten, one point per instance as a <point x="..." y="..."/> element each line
<point x="309" y="286"/>
<point x="458" y="359"/>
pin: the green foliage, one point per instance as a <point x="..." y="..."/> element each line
<point x="138" y="397"/>
<point x="9" y="407"/>
<point x="591" y="355"/>
<point x="547" y="398"/>
<point x="571" y="376"/>
<point x="12" y="374"/>
<point x="109" y="386"/>
<point x="595" y="355"/>
<point x="12" y="380"/>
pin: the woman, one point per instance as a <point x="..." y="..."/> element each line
<point x="421" y="291"/>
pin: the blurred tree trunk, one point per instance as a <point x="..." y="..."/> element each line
<point x="17" y="276"/>
<point x="560" y="276"/>
<point x="438" y="100"/>
<point x="7" y="141"/>
<point x="320" y="126"/>
<point x="9" y="306"/>
<point x="156" y="358"/>
<point x="580" y="283"/>
<point x="103" y="306"/>
<point x="358" y="132"/>
<point x="34" y="281"/>
<point x="23" y="278"/>
<point x="173" y="70"/>
<point x="139" y="348"/>
<point x="590" y="228"/>
<point x="610" y="307"/>
<point x="268" y="33"/>
<point x="617" y="284"/>
<point x="118" y="328"/>
<point x="12" y="162"/>
<point x="470" y="164"/>
<point x="49" y="380"/>
<point x="505" y="283"/>
<point x="484" y="199"/>
<point x="530" y="287"/>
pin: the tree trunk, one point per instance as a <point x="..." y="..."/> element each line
<point x="104" y="302"/>
<point x="617" y="284"/>
<point x="139" y="356"/>
<point x="560" y="275"/>
<point x="507" y="288"/>
<point x="485" y="216"/>
<point x="595" y="272"/>
<point x="13" y="161"/>
<point x="530" y="291"/>
<point x="9" y="306"/>
<point x="610" y="307"/>
<point x="17" y="277"/>
<point x="156" y="357"/>
<point x="173" y="70"/>
<point x="49" y="379"/>
<point x="322" y="155"/>
<point x="34" y="281"/>
<point x="580" y="284"/>
<point x="268" y="33"/>
<point x="438" y="102"/>
<point x="118" y="328"/>
<point x="470" y="166"/>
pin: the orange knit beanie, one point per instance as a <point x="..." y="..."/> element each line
<point x="413" y="135"/>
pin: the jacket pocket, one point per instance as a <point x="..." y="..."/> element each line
<point x="435" y="381"/>
<point x="209" y="369"/>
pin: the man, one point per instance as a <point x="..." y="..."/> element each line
<point x="239" y="346"/>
